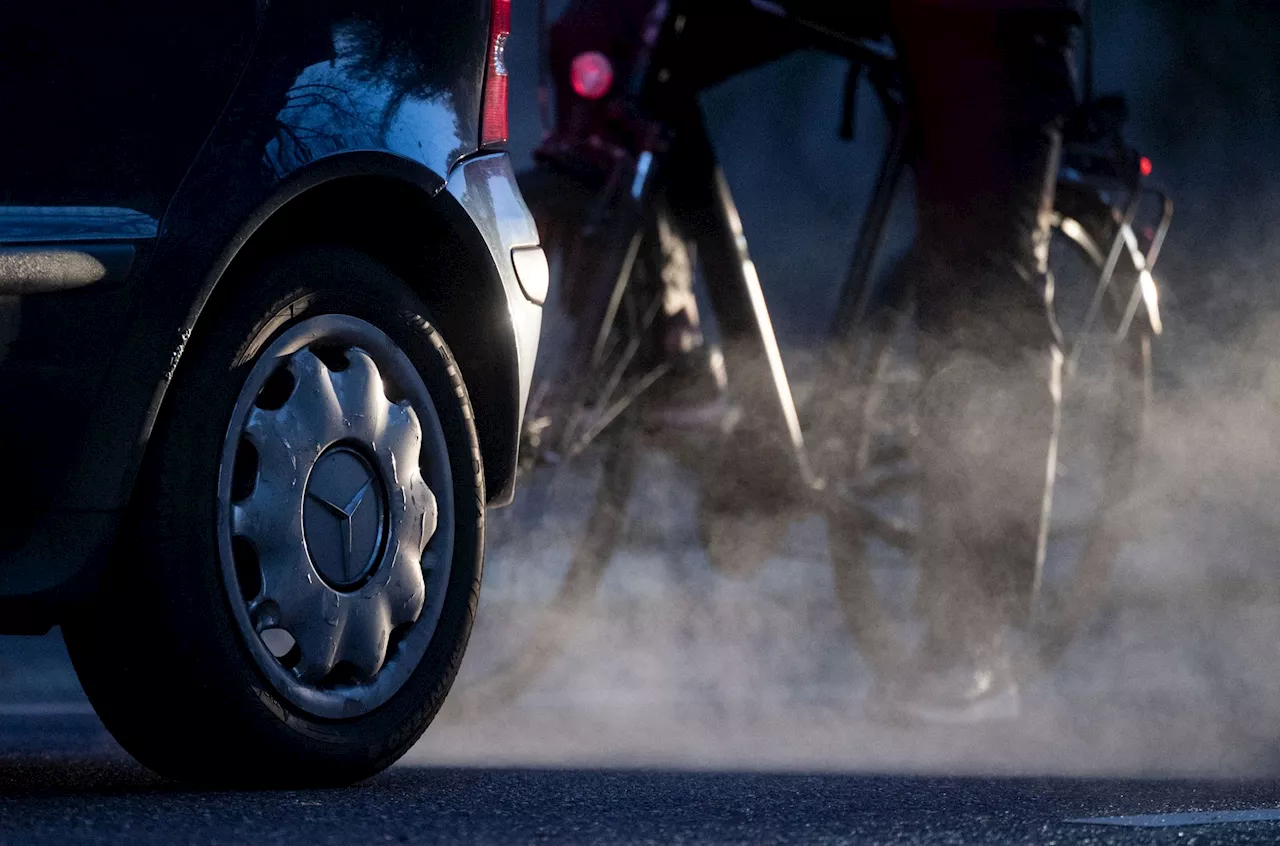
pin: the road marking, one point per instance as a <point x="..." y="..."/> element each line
<point x="1198" y="818"/>
<point x="45" y="709"/>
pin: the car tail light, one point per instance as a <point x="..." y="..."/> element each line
<point x="591" y="75"/>
<point x="493" y="120"/>
<point x="1144" y="166"/>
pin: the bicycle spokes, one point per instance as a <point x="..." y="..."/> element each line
<point x="619" y="375"/>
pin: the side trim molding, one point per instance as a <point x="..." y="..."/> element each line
<point x="61" y="224"/>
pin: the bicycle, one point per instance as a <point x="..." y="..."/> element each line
<point x="606" y="214"/>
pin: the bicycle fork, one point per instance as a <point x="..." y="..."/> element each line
<point x="705" y="206"/>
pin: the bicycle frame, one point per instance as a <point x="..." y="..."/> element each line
<point x="675" y="144"/>
<point x="673" y="149"/>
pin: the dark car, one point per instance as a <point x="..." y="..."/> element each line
<point x="269" y="303"/>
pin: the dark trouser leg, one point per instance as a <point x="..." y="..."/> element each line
<point x="990" y="90"/>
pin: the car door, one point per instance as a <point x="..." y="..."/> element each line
<point x="103" y="107"/>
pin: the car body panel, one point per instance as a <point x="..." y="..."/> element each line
<point x="486" y="188"/>
<point x="82" y="85"/>
<point x="106" y="104"/>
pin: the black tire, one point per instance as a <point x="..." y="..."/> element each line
<point x="158" y="650"/>
<point x="1060" y="611"/>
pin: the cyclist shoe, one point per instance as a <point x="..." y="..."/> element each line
<point x="967" y="692"/>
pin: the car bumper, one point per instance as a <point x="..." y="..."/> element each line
<point x="486" y="189"/>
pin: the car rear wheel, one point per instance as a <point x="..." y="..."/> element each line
<point x="301" y="566"/>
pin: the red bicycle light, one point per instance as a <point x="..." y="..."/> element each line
<point x="493" y="119"/>
<point x="1144" y="166"/>
<point x="591" y="75"/>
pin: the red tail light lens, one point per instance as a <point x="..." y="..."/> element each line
<point x="1144" y="166"/>
<point x="493" y="120"/>
<point x="591" y="75"/>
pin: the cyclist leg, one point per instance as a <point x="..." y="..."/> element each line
<point x="989" y="89"/>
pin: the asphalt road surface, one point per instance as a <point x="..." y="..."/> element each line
<point x="61" y="782"/>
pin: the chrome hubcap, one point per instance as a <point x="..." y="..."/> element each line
<point x="336" y="515"/>
<point x="343" y="517"/>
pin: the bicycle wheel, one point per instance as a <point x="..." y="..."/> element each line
<point x="873" y="503"/>
<point x="547" y="552"/>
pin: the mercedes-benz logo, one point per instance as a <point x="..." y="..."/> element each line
<point x="343" y="517"/>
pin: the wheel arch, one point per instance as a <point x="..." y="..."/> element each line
<point x="397" y="212"/>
